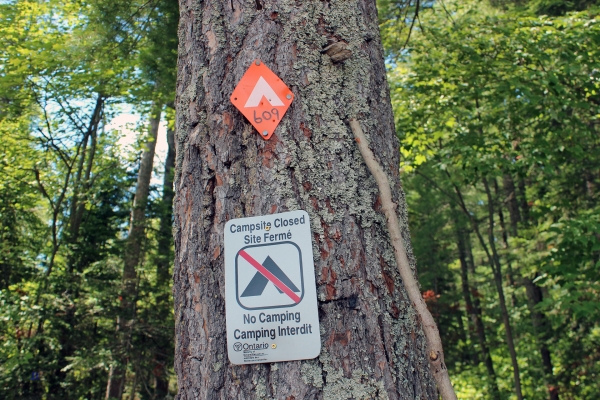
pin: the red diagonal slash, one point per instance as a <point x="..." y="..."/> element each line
<point x="270" y="276"/>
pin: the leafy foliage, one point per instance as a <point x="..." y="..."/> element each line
<point x="497" y="109"/>
<point x="497" y="106"/>
<point x="66" y="195"/>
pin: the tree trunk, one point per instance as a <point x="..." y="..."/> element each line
<point x="87" y="183"/>
<point x="372" y="345"/>
<point x="541" y="325"/>
<point x="164" y="260"/>
<point x="511" y="201"/>
<point x="84" y="166"/>
<point x="504" y="231"/>
<point x="497" y="272"/>
<point x="133" y="253"/>
<point x="523" y="204"/>
<point x="474" y="311"/>
<point x="543" y="331"/>
<point x="165" y="236"/>
<point x="74" y="215"/>
<point x="494" y="261"/>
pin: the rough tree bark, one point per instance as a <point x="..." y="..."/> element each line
<point x="372" y="344"/>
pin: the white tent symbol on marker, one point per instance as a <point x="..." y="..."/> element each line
<point x="261" y="89"/>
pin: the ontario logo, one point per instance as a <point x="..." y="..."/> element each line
<point x="237" y="346"/>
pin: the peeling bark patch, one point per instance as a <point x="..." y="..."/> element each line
<point x="377" y="205"/>
<point x="331" y="291"/>
<point x="212" y="41"/>
<point x="204" y="327"/>
<point x="333" y="276"/>
<point x="342" y="338"/>
<point x="329" y="208"/>
<point x="389" y="282"/>
<point x="228" y="121"/>
<point x="324" y="274"/>
<point x="267" y="157"/>
<point x="315" y="205"/>
<point x="338" y="52"/>
<point x="307" y="132"/>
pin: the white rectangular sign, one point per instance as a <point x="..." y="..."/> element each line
<point x="270" y="290"/>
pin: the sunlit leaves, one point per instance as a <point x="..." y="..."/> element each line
<point x="483" y="93"/>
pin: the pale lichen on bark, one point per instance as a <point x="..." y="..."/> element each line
<point x="372" y="345"/>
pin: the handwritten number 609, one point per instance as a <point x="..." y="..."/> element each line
<point x="266" y="115"/>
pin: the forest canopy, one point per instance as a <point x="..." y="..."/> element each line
<point x="497" y="109"/>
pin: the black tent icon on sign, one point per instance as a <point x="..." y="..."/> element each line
<point x="275" y="282"/>
<point x="258" y="284"/>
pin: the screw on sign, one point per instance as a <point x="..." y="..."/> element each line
<point x="262" y="97"/>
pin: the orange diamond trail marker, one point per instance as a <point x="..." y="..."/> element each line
<point x="262" y="97"/>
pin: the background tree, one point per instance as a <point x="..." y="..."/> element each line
<point x="496" y="119"/>
<point x="67" y="68"/>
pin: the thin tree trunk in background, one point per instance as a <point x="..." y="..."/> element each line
<point x="494" y="262"/>
<point x="164" y="260"/>
<point x="512" y="203"/>
<point x="494" y="259"/>
<point x="84" y="165"/>
<point x="523" y="205"/>
<point x="469" y="356"/>
<point x="86" y="185"/>
<point x="165" y="236"/>
<point x="497" y="271"/>
<point x="543" y="332"/>
<point x="477" y="310"/>
<point x="133" y="253"/>
<point x="504" y="231"/>
<point x="541" y="325"/>
<point x="474" y="311"/>
<point x="134" y="386"/>
<point x="77" y="183"/>
<point x="70" y="320"/>
<point x="91" y="131"/>
<point x="466" y="290"/>
<point x="372" y="345"/>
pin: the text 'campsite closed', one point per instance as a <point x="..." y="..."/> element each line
<point x="271" y="304"/>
